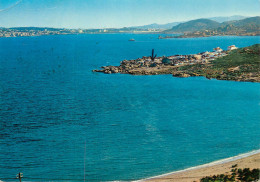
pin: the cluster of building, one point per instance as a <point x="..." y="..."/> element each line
<point x="13" y="32"/>
<point x="38" y="31"/>
<point x="178" y="60"/>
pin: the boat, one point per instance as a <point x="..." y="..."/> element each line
<point x="131" y="40"/>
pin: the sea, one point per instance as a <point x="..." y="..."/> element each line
<point x="59" y="121"/>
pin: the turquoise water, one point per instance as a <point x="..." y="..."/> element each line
<point x="59" y="120"/>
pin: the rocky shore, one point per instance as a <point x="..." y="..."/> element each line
<point x="137" y="70"/>
<point x="209" y="33"/>
<point x="153" y="65"/>
<point x="233" y="64"/>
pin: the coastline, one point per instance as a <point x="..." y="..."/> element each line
<point x="236" y="64"/>
<point x="245" y="160"/>
<point x="201" y="36"/>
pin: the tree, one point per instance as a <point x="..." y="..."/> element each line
<point x="153" y="56"/>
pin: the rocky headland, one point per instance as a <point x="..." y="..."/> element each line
<point x="241" y="64"/>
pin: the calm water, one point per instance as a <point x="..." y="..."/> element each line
<point x="59" y="119"/>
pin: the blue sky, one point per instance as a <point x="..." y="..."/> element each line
<point x="116" y="13"/>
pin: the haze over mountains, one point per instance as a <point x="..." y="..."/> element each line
<point x="251" y="24"/>
<point x="222" y="19"/>
<point x="219" y="19"/>
<point x="158" y="26"/>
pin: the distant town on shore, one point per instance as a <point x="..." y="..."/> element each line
<point x="218" y="26"/>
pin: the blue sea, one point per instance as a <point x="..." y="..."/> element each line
<point x="59" y="121"/>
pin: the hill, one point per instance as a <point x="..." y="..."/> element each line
<point x="248" y="24"/>
<point x="157" y="26"/>
<point x="194" y="25"/>
<point x="240" y="65"/>
<point x="222" y="19"/>
<point x="219" y="19"/>
<point x="246" y="27"/>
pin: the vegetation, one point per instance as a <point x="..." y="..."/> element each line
<point x="245" y="175"/>
<point x="195" y="25"/>
<point x="165" y="60"/>
<point x="206" y="27"/>
<point x="242" y="65"/>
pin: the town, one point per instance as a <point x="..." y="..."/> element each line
<point x="164" y="65"/>
<point x="34" y="31"/>
<point x="39" y="31"/>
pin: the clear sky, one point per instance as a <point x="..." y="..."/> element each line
<point x="116" y="13"/>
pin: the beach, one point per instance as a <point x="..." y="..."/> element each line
<point x="249" y="160"/>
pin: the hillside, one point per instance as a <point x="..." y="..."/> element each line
<point x="158" y="26"/>
<point x="247" y="21"/>
<point x="206" y="27"/>
<point x="195" y="25"/>
<point x="219" y="19"/>
<point x="248" y="24"/>
<point x="240" y="65"/>
<point x="222" y="19"/>
<point x="246" y="27"/>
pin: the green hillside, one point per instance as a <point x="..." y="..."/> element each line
<point x="195" y="25"/>
<point x="205" y="28"/>
<point x="251" y="24"/>
<point x="241" y="65"/>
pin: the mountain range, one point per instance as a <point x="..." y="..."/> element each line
<point x="251" y="24"/>
<point x="194" y="25"/>
<point x="158" y="26"/>
<point x="219" y="19"/>
<point x="222" y="19"/>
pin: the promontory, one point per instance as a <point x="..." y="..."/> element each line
<point x="238" y="64"/>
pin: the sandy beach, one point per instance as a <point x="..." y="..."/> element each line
<point x="249" y="160"/>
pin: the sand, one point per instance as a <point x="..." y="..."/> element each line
<point x="250" y="160"/>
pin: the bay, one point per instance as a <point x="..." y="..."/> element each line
<point x="59" y="120"/>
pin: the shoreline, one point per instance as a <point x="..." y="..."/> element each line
<point x="236" y="64"/>
<point x="185" y="175"/>
<point x="202" y="36"/>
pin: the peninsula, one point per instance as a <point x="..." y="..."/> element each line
<point x="238" y="64"/>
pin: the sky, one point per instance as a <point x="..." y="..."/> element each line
<point x="116" y="13"/>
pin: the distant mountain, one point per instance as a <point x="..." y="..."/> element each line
<point x="222" y="19"/>
<point x="246" y="27"/>
<point x="219" y="19"/>
<point x="158" y="26"/>
<point x="246" y="22"/>
<point x="251" y="24"/>
<point x="194" y="25"/>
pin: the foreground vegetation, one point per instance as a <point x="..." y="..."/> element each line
<point x="240" y="65"/>
<point x="245" y="175"/>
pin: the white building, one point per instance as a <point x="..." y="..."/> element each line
<point x="232" y="47"/>
<point x="217" y="49"/>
